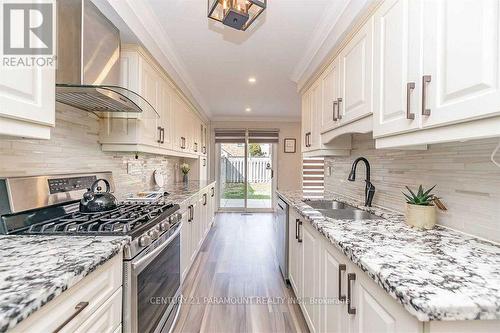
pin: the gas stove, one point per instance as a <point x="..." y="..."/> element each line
<point x="144" y="222"/>
<point x="49" y="205"/>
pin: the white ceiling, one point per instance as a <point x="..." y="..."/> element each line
<point x="218" y="60"/>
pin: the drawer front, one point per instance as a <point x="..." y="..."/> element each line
<point x="95" y="289"/>
<point x="107" y="318"/>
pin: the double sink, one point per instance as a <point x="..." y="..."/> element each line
<point x="340" y="211"/>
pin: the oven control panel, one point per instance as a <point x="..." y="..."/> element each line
<point x="61" y="185"/>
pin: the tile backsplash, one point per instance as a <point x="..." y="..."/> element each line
<point x="74" y="147"/>
<point x="467" y="181"/>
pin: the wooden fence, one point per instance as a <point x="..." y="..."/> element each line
<point x="234" y="169"/>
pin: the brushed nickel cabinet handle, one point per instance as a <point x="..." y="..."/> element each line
<point x="78" y="308"/>
<point x="409" y="87"/>
<point x="425" y="79"/>
<point x="335" y="110"/>
<point x="350" y="277"/>
<point x="339" y="116"/>
<point x="297" y="228"/>
<point x="159" y="135"/>
<point x="299" y="239"/>
<point x="342" y="268"/>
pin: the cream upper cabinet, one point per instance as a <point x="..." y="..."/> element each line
<point x="149" y="120"/>
<point x="355" y="64"/>
<point x="316" y="112"/>
<point x="461" y="61"/>
<point x="397" y="67"/>
<point x="27" y="102"/>
<point x="330" y="84"/>
<point x="438" y="68"/>
<point x="306" y="120"/>
<point x="165" y="93"/>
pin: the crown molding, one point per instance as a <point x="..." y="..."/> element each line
<point x="332" y="30"/>
<point x="255" y="119"/>
<point x="142" y="20"/>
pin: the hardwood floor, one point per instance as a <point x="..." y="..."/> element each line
<point x="232" y="279"/>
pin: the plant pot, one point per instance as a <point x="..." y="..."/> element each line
<point x="421" y="217"/>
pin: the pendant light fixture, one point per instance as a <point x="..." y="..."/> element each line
<point x="237" y="14"/>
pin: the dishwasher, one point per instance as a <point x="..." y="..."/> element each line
<point x="282" y="236"/>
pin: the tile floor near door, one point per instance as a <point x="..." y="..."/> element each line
<point x="234" y="274"/>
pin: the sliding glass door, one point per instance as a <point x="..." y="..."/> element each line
<point x="246" y="169"/>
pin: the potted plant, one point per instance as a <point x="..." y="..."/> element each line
<point x="185" y="170"/>
<point x="420" y="208"/>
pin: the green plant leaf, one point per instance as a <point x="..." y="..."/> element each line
<point x="413" y="194"/>
<point x="429" y="190"/>
<point x="420" y="190"/>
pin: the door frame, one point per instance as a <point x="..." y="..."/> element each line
<point x="274" y="180"/>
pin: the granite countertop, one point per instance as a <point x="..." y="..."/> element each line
<point x="179" y="192"/>
<point x="438" y="274"/>
<point x="36" y="269"/>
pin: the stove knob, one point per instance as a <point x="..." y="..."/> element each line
<point x="153" y="234"/>
<point x="164" y="226"/>
<point x="144" y="241"/>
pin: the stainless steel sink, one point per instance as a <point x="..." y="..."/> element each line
<point x="349" y="214"/>
<point x="327" y="204"/>
<point x="340" y="211"/>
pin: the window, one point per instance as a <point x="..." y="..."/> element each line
<point x="313" y="177"/>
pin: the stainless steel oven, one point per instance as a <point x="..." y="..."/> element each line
<point x="152" y="285"/>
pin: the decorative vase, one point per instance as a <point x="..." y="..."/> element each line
<point x="421" y="217"/>
<point x="185" y="178"/>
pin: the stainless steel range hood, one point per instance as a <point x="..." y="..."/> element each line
<point x="88" y="63"/>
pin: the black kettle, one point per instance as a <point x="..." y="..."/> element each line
<point x="95" y="202"/>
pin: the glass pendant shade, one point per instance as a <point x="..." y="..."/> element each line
<point x="237" y="14"/>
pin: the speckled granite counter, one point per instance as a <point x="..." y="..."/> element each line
<point x="36" y="269"/>
<point x="180" y="192"/>
<point x="438" y="274"/>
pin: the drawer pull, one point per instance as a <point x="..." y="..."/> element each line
<point x="296" y="228"/>
<point x="409" y="87"/>
<point x="350" y="277"/>
<point x="425" y="79"/>
<point x="78" y="308"/>
<point x="342" y="268"/>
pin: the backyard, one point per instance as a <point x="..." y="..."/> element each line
<point x="255" y="191"/>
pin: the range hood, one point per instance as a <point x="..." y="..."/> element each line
<point x="88" y="63"/>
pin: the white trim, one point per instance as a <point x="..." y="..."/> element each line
<point x="139" y="16"/>
<point x="255" y="119"/>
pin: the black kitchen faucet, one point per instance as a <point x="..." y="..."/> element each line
<point x="369" y="188"/>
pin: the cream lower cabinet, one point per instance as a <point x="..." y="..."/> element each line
<point x="438" y="77"/>
<point x="319" y="274"/>
<point x="197" y="219"/>
<point x="27" y="102"/>
<point x="101" y="290"/>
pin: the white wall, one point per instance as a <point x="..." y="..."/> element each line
<point x="467" y="181"/>
<point x="289" y="165"/>
<point x="74" y="147"/>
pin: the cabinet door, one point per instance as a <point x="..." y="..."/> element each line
<point x="333" y="284"/>
<point x="306" y="120"/>
<point x="27" y="96"/>
<point x="165" y="109"/>
<point x="179" y="139"/>
<point x="293" y="254"/>
<point x="462" y="58"/>
<point x="355" y="62"/>
<point x="330" y="86"/>
<point x="195" y="230"/>
<point x="397" y="67"/>
<point x="310" y="251"/>
<point x="316" y="116"/>
<point x="149" y="120"/>
<point x="185" y="244"/>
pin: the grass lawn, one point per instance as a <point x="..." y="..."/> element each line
<point x="255" y="191"/>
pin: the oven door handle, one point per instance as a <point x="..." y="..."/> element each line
<point x="139" y="265"/>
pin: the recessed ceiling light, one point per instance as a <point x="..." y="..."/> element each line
<point x="252" y="79"/>
<point x="248" y="109"/>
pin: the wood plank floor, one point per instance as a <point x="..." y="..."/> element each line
<point x="237" y="263"/>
